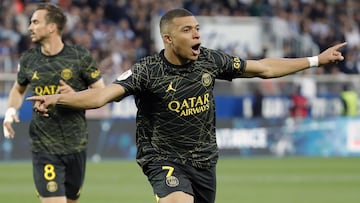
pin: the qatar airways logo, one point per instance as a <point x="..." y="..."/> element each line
<point x="190" y="106"/>
<point x="46" y="90"/>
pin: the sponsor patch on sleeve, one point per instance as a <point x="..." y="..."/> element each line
<point x="124" y="75"/>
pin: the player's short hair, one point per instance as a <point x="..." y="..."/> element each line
<point x="167" y="18"/>
<point x="54" y="15"/>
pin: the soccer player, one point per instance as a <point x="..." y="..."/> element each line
<point x="58" y="143"/>
<point x="175" y="137"/>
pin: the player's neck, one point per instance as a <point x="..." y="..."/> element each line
<point x="52" y="46"/>
<point x="175" y="59"/>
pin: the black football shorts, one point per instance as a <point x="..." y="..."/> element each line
<point x="166" y="177"/>
<point x="59" y="175"/>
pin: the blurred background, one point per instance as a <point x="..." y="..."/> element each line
<point x="310" y="113"/>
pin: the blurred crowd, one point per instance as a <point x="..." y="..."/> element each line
<point x="118" y="32"/>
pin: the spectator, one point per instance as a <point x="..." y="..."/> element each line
<point x="349" y="100"/>
<point x="311" y="26"/>
<point x="351" y="65"/>
<point x="299" y="107"/>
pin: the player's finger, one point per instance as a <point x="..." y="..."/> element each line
<point x="36" y="105"/>
<point x="62" y="83"/>
<point x="338" y="46"/>
<point x="9" y="131"/>
<point x="35" y="98"/>
<point x="41" y="110"/>
<point x="64" y="88"/>
<point x="16" y="118"/>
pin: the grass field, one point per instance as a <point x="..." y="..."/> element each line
<point x="255" y="180"/>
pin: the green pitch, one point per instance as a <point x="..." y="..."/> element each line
<point x="253" y="180"/>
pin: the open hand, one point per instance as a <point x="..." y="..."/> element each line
<point x="10" y="117"/>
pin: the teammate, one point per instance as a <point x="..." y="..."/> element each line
<point x="58" y="143"/>
<point x="175" y="137"/>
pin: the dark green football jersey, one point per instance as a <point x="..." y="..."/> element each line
<point x="65" y="131"/>
<point x="176" y="108"/>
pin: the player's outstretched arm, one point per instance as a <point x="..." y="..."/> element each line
<point x="277" y="67"/>
<point x="86" y="99"/>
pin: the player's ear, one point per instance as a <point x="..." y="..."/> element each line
<point x="52" y="27"/>
<point x="167" y="38"/>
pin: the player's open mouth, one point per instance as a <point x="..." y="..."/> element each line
<point x="196" y="49"/>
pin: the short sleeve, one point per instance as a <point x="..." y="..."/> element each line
<point x="229" y="66"/>
<point x="21" y="73"/>
<point x="134" y="80"/>
<point x="90" y="70"/>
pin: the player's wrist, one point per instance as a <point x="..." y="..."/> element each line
<point x="9" y="114"/>
<point x="313" y="61"/>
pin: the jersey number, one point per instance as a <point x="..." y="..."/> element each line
<point x="49" y="172"/>
<point x="170" y="170"/>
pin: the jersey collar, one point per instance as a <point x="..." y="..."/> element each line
<point x="186" y="68"/>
